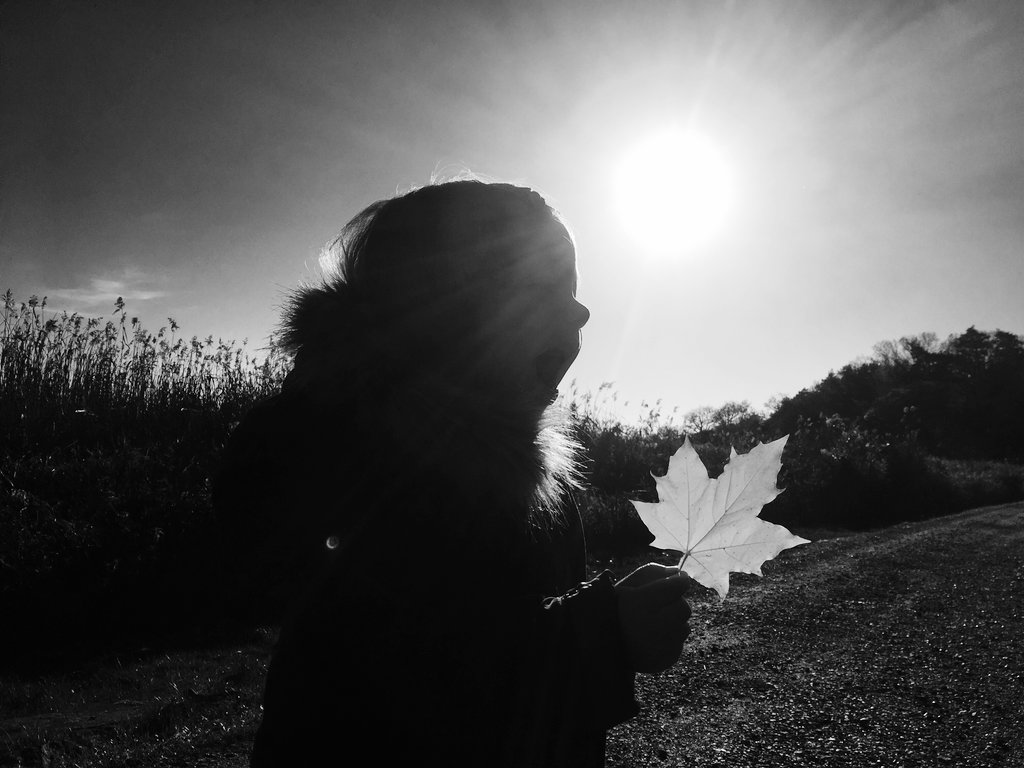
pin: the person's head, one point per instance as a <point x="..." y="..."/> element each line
<point x="468" y="283"/>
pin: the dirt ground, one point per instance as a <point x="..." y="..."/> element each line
<point x="897" y="648"/>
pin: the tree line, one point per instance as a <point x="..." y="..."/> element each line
<point x="961" y="398"/>
<point x="923" y="427"/>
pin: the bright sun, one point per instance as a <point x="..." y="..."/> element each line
<point x="674" y="191"/>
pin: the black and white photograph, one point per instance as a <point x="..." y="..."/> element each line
<point x="512" y="383"/>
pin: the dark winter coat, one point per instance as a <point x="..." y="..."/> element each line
<point x="422" y="624"/>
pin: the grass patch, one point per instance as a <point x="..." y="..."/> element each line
<point x="139" y="709"/>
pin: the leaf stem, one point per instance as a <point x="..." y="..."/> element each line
<point x="685" y="555"/>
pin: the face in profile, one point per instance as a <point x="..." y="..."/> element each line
<point x="533" y="335"/>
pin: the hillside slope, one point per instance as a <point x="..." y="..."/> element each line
<point x="899" y="647"/>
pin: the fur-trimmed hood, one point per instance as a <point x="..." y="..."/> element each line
<point x="486" y="453"/>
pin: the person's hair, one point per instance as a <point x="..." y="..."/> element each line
<point x="404" y="292"/>
<point x="409" y="277"/>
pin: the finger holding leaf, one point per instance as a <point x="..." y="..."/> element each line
<point x="653" y="615"/>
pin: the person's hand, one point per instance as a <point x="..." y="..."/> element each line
<point x="653" y="616"/>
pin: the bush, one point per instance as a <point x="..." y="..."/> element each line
<point x="613" y="528"/>
<point x="840" y="474"/>
<point x="979" y="483"/>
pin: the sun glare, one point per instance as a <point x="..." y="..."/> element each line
<point x="673" y="191"/>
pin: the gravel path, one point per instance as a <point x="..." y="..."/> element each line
<point x="897" y="648"/>
<point x="894" y="648"/>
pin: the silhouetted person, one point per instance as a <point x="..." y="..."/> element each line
<point x="416" y="484"/>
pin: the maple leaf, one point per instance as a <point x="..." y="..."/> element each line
<point x="714" y="522"/>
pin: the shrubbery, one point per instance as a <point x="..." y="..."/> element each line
<point x="839" y="474"/>
<point x="836" y="474"/>
<point x="110" y="436"/>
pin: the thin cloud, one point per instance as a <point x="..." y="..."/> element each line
<point x="100" y="293"/>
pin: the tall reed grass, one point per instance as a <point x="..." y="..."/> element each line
<point x="60" y="363"/>
<point x="109" y="435"/>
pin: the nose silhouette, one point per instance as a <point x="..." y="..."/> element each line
<point x="582" y="314"/>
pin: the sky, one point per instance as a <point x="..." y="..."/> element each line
<point x="194" y="158"/>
